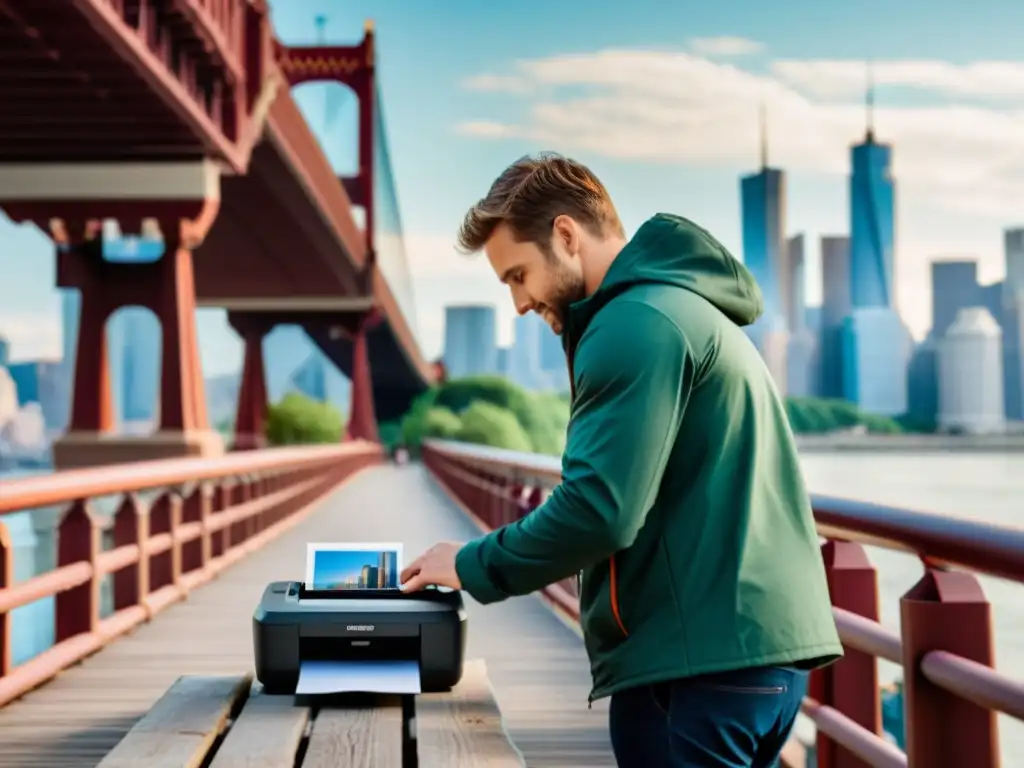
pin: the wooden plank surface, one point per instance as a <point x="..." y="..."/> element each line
<point x="182" y="726"/>
<point x="367" y="736"/>
<point x="464" y="728"/>
<point x="537" y="666"/>
<point x="266" y="733"/>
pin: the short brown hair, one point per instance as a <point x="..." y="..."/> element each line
<point x="530" y="194"/>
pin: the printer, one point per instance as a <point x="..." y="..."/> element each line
<point x="293" y="625"/>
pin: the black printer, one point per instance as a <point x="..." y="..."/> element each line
<point x="292" y="625"/>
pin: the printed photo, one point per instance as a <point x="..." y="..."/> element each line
<point x="353" y="566"/>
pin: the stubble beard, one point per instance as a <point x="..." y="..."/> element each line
<point x="568" y="289"/>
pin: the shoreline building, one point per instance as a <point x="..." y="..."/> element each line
<point x="874" y="374"/>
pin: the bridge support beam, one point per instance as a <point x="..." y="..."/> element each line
<point x="70" y="202"/>
<point x="251" y="414"/>
<point x="165" y="287"/>
<point x="362" y="416"/>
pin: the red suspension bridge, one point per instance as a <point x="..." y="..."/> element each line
<point x="178" y="115"/>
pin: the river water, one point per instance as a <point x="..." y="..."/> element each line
<point x="986" y="487"/>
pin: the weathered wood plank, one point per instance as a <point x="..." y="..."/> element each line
<point x="182" y="726"/>
<point x="464" y="728"/>
<point x="364" y="736"/>
<point x="266" y="733"/>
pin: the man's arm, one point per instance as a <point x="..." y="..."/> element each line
<point x="634" y="371"/>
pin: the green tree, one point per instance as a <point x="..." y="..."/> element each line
<point x="814" y="415"/>
<point x="551" y="411"/>
<point x="541" y="420"/>
<point x="488" y="424"/>
<point x="441" y="423"/>
<point x="299" y="420"/>
<point x="414" y="421"/>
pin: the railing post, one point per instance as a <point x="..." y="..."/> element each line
<point x="195" y="509"/>
<point x="131" y="526"/>
<point x="946" y="611"/>
<point x="78" y="541"/>
<point x="851" y="684"/>
<point x="164" y="517"/>
<point x="6" y="580"/>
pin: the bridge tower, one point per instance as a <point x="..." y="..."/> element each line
<point x="143" y="137"/>
<point x="353" y="66"/>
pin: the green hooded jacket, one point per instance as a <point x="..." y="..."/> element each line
<point x="682" y="499"/>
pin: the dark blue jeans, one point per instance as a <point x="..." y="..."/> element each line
<point x="738" y="719"/>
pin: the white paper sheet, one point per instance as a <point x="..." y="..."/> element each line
<point x="323" y="677"/>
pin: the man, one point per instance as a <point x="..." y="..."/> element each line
<point x="704" y="601"/>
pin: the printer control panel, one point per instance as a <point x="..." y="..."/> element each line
<point x="292" y="597"/>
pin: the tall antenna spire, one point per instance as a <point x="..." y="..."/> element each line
<point x="869" y="104"/>
<point x="764" y="137"/>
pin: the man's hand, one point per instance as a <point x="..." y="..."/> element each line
<point x="435" y="566"/>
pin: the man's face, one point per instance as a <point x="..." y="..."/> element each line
<point x="540" y="283"/>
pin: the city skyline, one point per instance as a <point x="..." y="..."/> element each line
<point x="348" y="568"/>
<point x="495" y="102"/>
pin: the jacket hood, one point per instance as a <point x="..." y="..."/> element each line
<point x="673" y="250"/>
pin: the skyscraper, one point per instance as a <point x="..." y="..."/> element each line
<point x="872" y="217"/>
<point x="134" y="338"/>
<point x="470" y="340"/>
<point x="794" y="288"/>
<point x="970" y="373"/>
<point x="140" y="337"/>
<point x="835" y="308"/>
<point x="524" y="361"/>
<point x="763" y="201"/>
<point x="954" y="287"/>
<point x="876" y="348"/>
<point x="802" y="375"/>
<point x="311" y="377"/>
<point x="1013" y="246"/>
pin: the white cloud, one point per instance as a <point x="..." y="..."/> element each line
<point x="681" y="108"/>
<point x="830" y="78"/>
<point x="32" y="335"/>
<point x="724" y="47"/>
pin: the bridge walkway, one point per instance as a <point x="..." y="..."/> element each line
<point x="535" y="662"/>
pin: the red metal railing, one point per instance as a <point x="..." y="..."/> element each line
<point x="206" y="515"/>
<point x="952" y="692"/>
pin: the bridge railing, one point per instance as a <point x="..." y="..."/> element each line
<point x="176" y="524"/>
<point x="945" y="644"/>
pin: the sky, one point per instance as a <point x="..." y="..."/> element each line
<point x="660" y="98"/>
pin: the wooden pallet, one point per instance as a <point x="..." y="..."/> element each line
<point x="227" y="722"/>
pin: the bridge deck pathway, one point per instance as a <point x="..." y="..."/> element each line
<point x="537" y="664"/>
